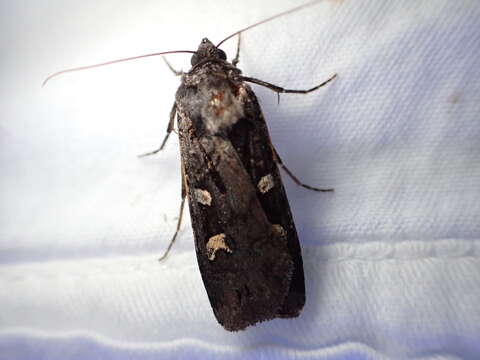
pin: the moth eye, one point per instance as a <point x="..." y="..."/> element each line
<point x="204" y="40"/>
<point x="194" y="59"/>
<point x="221" y="54"/>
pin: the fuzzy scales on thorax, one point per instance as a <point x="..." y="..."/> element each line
<point x="216" y="96"/>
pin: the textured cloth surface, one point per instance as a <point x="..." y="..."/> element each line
<point x="392" y="257"/>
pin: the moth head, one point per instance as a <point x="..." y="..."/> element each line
<point x="207" y="50"/>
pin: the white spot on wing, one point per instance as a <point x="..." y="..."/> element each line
<point x="215" y="243"/>
<point x="266" y="183"/>
<point x="203" y="197"/>
<point x="279" y="230"/>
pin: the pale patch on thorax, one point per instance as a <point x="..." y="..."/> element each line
<point x="222" y="110"/>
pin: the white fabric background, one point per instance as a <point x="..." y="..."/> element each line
<point x="392" y="258"/>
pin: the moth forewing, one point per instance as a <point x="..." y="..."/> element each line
<point x="245" y="239"/>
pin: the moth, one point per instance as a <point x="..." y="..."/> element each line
<point x="246" y="243"/>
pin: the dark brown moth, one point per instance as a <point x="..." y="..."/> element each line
<point x="245" y="239"/>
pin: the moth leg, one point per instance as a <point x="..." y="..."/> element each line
<point x="237" y="56"/>
<point x="176" y="72"/>
<point x="280" y="90"/>
<point x="180" y="216"/>
<point x="278" y="160"/>
<point x="170" y="126"/>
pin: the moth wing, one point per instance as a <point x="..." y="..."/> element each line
<point x="245" y="239"/>
<point x="260" y="164"/>
<point x="243" y="259"/>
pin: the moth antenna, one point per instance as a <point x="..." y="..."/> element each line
<point x="269" y="19"/>
<point x="112" y="62"/>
